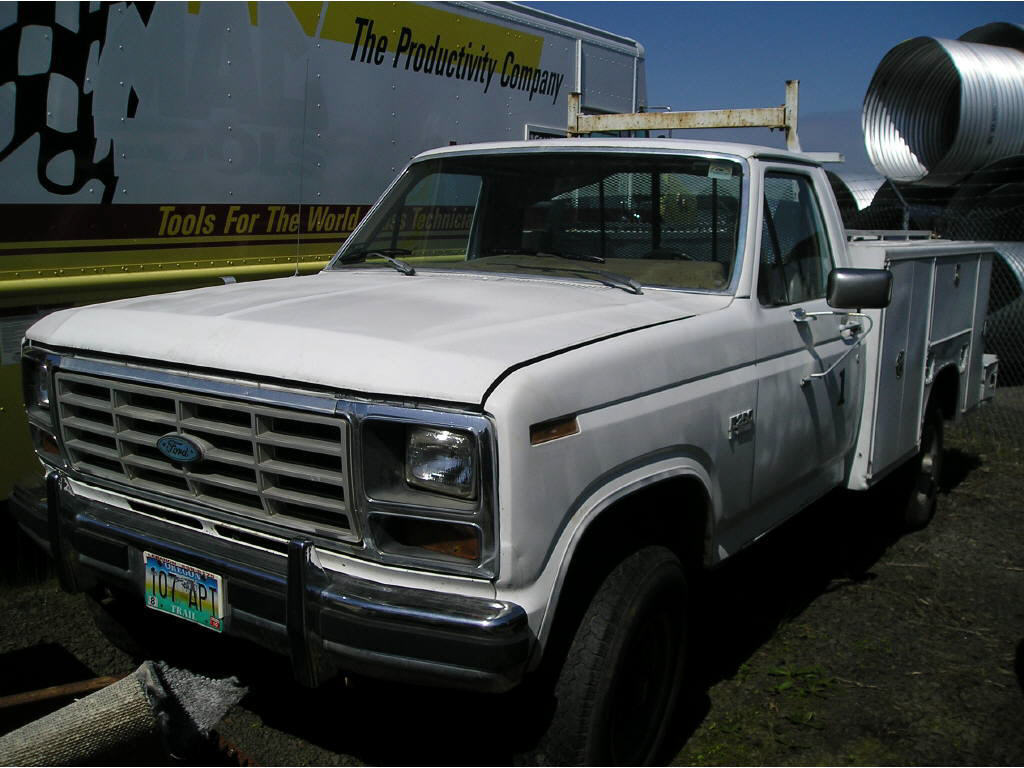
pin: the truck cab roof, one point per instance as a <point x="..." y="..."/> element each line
<point x="745" y="151"/>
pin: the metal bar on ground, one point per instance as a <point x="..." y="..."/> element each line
<point x="58" y="691"/>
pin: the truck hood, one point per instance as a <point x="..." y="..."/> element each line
<point x="438" y="336"/>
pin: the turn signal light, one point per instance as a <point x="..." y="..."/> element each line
<point x="546" y="431"/>
<point x="45" y="443"/>
<point x="451" y="539"/>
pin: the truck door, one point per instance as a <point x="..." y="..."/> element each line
<point x="803" y="426"/>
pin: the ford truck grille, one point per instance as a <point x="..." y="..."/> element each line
<point x="258" y="461"/>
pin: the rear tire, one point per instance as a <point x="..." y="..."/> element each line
<point x="618" y="687"/>
<point x="923" y="474"/>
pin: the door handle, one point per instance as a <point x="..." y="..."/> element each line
<point x="851" y="329"/>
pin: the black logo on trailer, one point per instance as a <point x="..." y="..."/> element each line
<point x="70" y="53"/>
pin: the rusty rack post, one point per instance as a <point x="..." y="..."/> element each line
<point x="784" y="117"/>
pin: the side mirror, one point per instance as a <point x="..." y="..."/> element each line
<point x="850" y="288"/>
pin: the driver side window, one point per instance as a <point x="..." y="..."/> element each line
<point x="795" y="253"/>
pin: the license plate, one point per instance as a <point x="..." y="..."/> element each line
<point x="184" y="591"/>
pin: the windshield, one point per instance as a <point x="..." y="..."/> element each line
<point x="622" y="219"/>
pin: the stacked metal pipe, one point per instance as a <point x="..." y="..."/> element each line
<point x="937" y="110"/>
<point x="943" y="120"/>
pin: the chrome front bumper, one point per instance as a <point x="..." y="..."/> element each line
<point x="325" y="621"/>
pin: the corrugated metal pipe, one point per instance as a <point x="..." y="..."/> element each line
<point x="856" y="188"/>
<point x="937" y="110"/>
<point x="989" y="204"/>
<point x="997" y="33"/>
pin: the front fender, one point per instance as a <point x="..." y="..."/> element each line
<point x="540" y="597"/>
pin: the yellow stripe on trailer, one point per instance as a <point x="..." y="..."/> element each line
<point x="99" y="244"/>
<point x="227" y="259"/>
<point x="87" y="288"/>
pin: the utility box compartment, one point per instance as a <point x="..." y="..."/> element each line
<point x="932" y="325"/>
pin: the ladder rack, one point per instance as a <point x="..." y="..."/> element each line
<point x="784" y="117"/>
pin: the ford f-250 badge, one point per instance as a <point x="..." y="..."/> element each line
<point x="180" y="449"/>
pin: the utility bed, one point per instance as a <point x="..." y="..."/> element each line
<point x="933" y="324"/>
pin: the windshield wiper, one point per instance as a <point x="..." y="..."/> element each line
<point x="556" y="254"/>
<point x="388" y="254"/>
<point x="611" y="279"/>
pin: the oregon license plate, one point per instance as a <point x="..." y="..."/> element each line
<point x="184" y="591"/>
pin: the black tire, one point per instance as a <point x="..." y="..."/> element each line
<point x="617" y="689"/>
<point x="923" y="474"/>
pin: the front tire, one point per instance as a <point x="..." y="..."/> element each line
<point x="618" y="686"/>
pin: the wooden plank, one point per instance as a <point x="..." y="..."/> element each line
<point x="768" y="117"/>
<point x="784" y="117"/>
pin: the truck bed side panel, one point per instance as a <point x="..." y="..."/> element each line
<point x="934" y="323"/>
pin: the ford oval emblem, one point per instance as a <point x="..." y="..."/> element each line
<point x="180" y="449"/>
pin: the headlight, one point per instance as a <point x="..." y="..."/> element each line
<point x="441" y="460"/>
<point x="428" y="489"/>
<point x="36" y="381"/>
<point x="35" y="378"/>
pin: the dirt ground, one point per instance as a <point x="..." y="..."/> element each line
<point x="834" y="641"/>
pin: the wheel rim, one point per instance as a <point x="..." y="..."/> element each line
<point x="927" y="486"/>
<point x="643" y="689"/>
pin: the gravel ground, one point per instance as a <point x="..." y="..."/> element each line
<point x="834" y="641"/>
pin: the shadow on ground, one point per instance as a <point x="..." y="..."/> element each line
<point x="30" y="669"/>
<point x="21" y="560"/>
<point x="1018" y="665"/>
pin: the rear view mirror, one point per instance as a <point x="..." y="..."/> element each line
<point x="850" y="288"/>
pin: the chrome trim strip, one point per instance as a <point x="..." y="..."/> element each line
<point x="492" y="617"/>
<point x="586" y="145"/>
<point x="208" y="519"/>
<point x="144" y="540"/>
<point x="253" y="391"/>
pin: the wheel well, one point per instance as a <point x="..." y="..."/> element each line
<point x="945" y="392"/>
<point x="674" y="513"/>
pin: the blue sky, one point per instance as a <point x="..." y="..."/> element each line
<point x="709" y="55"/>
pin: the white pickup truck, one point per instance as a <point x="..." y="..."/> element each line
<point x="540" y="384"/>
